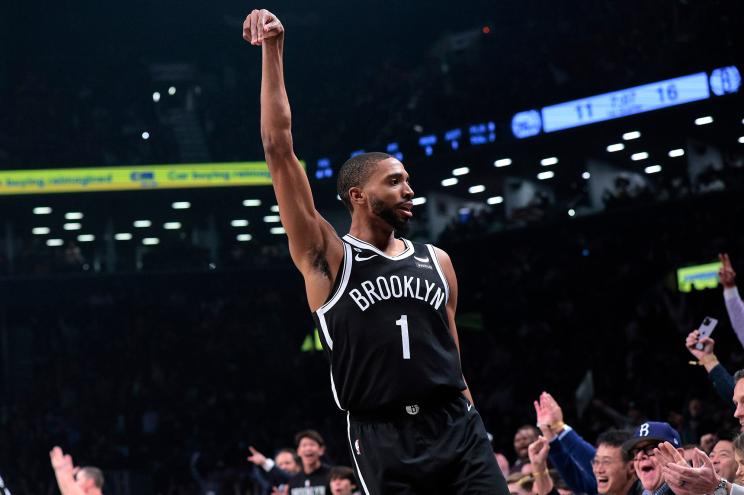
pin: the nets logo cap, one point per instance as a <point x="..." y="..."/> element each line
<point x="653" y="432"/>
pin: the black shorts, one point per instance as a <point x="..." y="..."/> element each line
<point x="442" y="448"/>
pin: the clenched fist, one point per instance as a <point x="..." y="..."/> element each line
<point x="261" y="25"/>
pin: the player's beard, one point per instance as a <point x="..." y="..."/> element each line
<point x="389" y="215"/>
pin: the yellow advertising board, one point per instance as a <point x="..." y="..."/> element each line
<point x="140" y="177"/>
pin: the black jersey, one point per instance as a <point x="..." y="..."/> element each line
<point x="386" y="330"/>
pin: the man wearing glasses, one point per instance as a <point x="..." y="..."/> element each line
<point x="640" y="448"/>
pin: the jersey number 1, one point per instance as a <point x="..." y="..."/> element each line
<point x="403" y="324"/>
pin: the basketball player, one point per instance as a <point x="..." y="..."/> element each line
<point x="386" y="310"/>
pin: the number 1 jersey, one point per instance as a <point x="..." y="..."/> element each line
<point x="385" y="328"/>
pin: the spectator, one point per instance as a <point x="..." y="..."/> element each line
<point x="75" y="480"/>
<point x="734" y="304"/>
<point x="524" y="436"/>
<point x="722" y="458"/>
<point x="342" y="480"/>
<point x="314" y="477"/>
<point x="722" y="381"/>
<point x="641" y="447"/>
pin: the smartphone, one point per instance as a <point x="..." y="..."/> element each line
<point x="706" y="328"/>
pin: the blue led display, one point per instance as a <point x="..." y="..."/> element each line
<point x="625" y="102"/>
<point x="393" y="150"/>
<point x="725" y="80"/>
<point x="526" y="124"/>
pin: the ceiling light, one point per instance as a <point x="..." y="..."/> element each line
<point x="150" y="241"/>
<point x="172" y="90"/>
<point x="502" y="162"/>
<point x="244" y="237"/>
<point x="123" y="236"/>
<point x="275" y="208"/>
<point x="631" y="135"/>
<point x="476" y="189"/>
<point x="460" y="171"/>
<point x="172" y="225"/>
<point x="704" y="120"/>
<point x="252" y="202"/>
<point x="277" y="230"/>
<point x="181" y="205"/>
<point x="54" y="242"/>
<point x="495" y="200"/>
<point x="145" y="135"/>
<point x="40" y="230"/>
<point x="141" y="224"/>
<point x="86" y="238"/>
<point x="615" y="147"/>
<point x="42" y="210"/>
<point x="241" y="222"/>
<point x="449" y="182"/>
<point x="73" y="215"/>
<point x="545" y="162"/>
<point x="676" y="153"/>
<point x="545" y="175"/>
<point x="652" y="169"/>
<point x="639" y="156"/>
<point x="72" y="226"/>
<point x="741" y="139"/>
<point x="419" y="201"/>
<point x="586" y="176"/>
<point x="271" y="219"/>
<point x="571" y="212"/>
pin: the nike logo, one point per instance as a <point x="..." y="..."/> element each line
<point x="422" y="260"/>
<point x="470" y="406"/>
<point x="359" y="258"/>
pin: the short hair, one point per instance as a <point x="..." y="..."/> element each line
<point x="95" y="474"/>
<point x="739" y="444"/>
<point x="293" y="453"/>
<point x="531" y="428"/>
<point x="616" y="438"/>
<point x="312" y="435"/>
<point x="355" y="172"/>
<point x="342" y="473"/>
<point x="738" y="376"/>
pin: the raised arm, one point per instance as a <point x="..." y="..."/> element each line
<point x="314" y="245"/>
<point x="64" y="471"/>
<point x="734" y="304"/>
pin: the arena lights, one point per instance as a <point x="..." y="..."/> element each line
<point x="150" y="241"/>
<point x="476" y="189"/>
<point x="463" y="211"/>
<point x="172" y="90"/>
<point x="42" y="210"/>
<point x="275" y="208"/>
<point x="419" y="201"/>
<point x="271" y="219"/>
<point x="551" y="160"/>
<point x="277" y="230"/>
<point x="72" y="226"/>
<point x="172" y="225"/>
<point x="252" y="202"/>
<point x="239" y="222"/>
<point x="629" y="136"/>
<point x="145" y="135"/>
<point x="586" y="176"/>
<point x="741" y="139"/>
<point x="545" y="175"/>
<point x="40" y="230"/>
<point x="123" y="236"/>
<point x="704" y="120"/>
<point x="502" y="162"/>
<point x="615" y="147"/>
<point x="495" y="200"/>
<point x="142" y="224"/>
<point x="676" y="153"/>
<point x="73" y="215"/>
<point x="461" y="171"/>
<point x="652" y="169"/>
<point x="54" y="242"/>
<point x="86" y="238"/>
<point x="636" y="157"/>
<point x="244" y="237"/>
<point x="156" y="96"/>
<point x="181" y="205"/>
<point x="571" y="212"/>
<point x="450" y="182"/>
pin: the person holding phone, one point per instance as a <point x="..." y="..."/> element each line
<point x="722" y="380"/>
